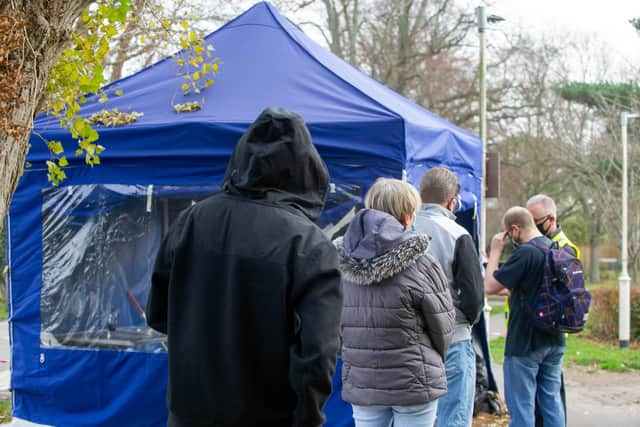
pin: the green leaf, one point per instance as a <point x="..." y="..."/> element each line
<point x="56" y="147"/>
<point x="63" y="162"/>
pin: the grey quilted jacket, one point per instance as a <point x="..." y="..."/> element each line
<point x="397" y="317"/>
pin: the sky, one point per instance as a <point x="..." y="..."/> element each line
<point x="604" y="22"/>
<point x="607" y="19"/>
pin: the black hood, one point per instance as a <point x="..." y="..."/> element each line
<point x="276" y="160"/>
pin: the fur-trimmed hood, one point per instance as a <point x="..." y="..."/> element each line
<point x="376" y="247"/>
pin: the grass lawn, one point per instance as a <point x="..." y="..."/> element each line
<point x="609" y="282"/>
<point x="585" y="352"/>
<point x="497" y="309"/>
<point x="5" y="411"/>
<point x="4" y="315"/>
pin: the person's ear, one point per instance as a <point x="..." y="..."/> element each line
<point x="407" y="221"/>
<point x="451" y="204"/>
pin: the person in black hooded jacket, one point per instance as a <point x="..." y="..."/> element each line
<point x="248" y="289"/>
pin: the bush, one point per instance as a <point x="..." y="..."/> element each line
<point x="603" y="315"/>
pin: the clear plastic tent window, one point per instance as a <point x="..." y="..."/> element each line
<point x="99" y="244"/>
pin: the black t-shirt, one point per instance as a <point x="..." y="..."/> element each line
<point x="522" y="274"/>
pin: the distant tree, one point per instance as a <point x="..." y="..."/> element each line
<point x="598" y="172"/>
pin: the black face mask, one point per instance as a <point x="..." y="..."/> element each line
<point x="541" y="228"/>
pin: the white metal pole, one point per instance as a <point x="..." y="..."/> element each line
<point x="482" y="26"/>
<point x="624" y="312"/>
<point x="481" y="16"/>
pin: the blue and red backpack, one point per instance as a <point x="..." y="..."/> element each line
<point x="562" y="302"/>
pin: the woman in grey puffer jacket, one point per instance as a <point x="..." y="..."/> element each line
<point x="397" y="317"/>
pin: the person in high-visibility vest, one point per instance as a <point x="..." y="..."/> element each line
<point x="545" y="215"/>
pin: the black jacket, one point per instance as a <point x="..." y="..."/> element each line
<point x="248" y="289"/>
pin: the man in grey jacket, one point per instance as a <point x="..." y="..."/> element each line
<point x="453" y="247"/>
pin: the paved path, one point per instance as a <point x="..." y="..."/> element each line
<point x="595" y="398"/>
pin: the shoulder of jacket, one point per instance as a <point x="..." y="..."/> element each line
<point x="429" y="267"/>
<point x="374" y="270"/>
<point x="447" y="224"/>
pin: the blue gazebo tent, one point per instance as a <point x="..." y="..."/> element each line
<point x="80" y="254"/>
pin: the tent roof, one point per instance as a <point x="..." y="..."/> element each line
<point x="267" y="61"/>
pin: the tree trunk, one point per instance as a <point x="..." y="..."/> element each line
<point x="48" y="25"/>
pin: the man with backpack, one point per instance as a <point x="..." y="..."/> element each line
<point x="533" y="358"/>
<point x="545" y="215"/>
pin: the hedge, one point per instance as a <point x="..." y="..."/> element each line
<point x="603" y="315"/>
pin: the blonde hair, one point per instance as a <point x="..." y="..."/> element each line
<point x="395" y="197"/>
<point x="519" y="216"/>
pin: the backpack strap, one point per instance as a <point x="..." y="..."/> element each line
<point x="546" y="250"/>
<point x="540" y="244"/>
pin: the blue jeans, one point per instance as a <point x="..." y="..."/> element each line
<point x="455" y="409"/>
<point x="523" y="376"/>
<point x="401" y="416"/>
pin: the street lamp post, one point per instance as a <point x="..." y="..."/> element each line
<point x="482" y="20"/>
<point x="624" y="312"/>
<point x="481" y="16"/>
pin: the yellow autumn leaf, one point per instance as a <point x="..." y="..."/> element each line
<point x="185" y="24"/>
<point x="119" y="92"/>
<point x="185" y="86"/>
<point x="56" y="147"/>
<point x="166" y="24"/>
<point x="192" y="36"/>
<point x="196" y="76"/>
<point x="215" y="67"/>
<point x="198" y="49"/>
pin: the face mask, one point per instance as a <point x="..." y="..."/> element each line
<point x="514" y="242"/>
<point x="541" y="228"/>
